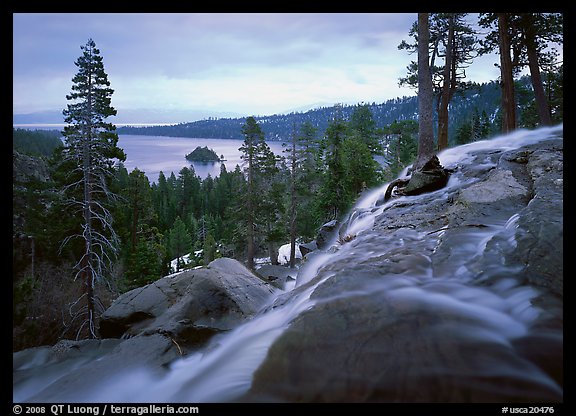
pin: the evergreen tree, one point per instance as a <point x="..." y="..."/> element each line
<point x="91" y="145"/>
<point x="188" y="195"/>
<point x="334" y="198"/>
<point x="144" y="263"/>
<point x="463" y="134"/>
<point x="361" y="143"/>
<point x="453" y="40"/>
<point x="309" y="179"/>
<point x="271" y="212"/>
<point x="253" y="136"/>
<point x="506" y="73"/>
<point x="234" y="215"/>
<point x="361" y="170"/>
<point x="555" y="90"/>
<point x="260" y="164"/>
<point x="139" y="199"/>
<point x="502" y="37"/>
<point x="400" y="145"/>
<point x="208" y="200"/>
<point x="293" y="160"/>
<point x="222" y="191"/>
<point x="179" y="242"/>
<point x="363" y="124"/>
<point x="209" y="249"/>
<point x="164" y="199"/>
<point x="36" y="142"/>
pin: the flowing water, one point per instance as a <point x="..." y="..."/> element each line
<point x="499" y="311"/>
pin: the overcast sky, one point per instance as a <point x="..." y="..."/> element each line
<point x="249" y="64"/>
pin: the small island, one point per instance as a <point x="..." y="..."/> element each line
<point x="203" y="154"/>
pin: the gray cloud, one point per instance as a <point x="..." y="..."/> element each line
<point x="267" y="61"/>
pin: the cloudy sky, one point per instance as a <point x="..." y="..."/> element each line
<point x="247" y="64"/>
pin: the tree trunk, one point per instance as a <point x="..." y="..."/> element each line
<point x="272" y="252"/>
<point x="508" y="101"/>
<point x="87" y="260"/>
<point x="89" y="291"/>
<point x="425" y="99"/>
<point x="539" y="94"/>
<point x="250" y="207"/>
<point x="447" y="84"/>
<point x="293" y="203"/>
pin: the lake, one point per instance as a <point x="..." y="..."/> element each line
<point x="152" y="154"/>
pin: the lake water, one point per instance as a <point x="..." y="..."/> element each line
<point x="152" y="154"/>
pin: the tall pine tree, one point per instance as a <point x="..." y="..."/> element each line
<point x="260" y="165"/>
<point x="334" y="198"/>
<point x="91" y="147"/>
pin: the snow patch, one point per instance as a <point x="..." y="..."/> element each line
<point x="284" y="254"/>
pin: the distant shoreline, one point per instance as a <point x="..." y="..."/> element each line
<point x="62" y="125"/>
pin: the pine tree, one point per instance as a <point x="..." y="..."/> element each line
<point x="539" y="30"/>
<point x="362" y="122"/>
<point x="361" y="170"/>
<point x="294" y="164"/>
<point x="163" y="196"/>
<point x="309" y="179"/>
<point x="91" y="146"/>
<point x="334" y="198"/>
<point x="253" y="135"/>
<point x="502" y="38"/>
<point x="401" y="145"/>
<point x="209" y="248"/>
<point x="138" y="196"/>
<point x="260" y="164"/>
<point x="179" y="241"/>
<point x="506" y="71"/>
<point x="453" y="40"/>
<point x="144" y="264"/>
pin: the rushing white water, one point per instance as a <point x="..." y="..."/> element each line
<point x="223" y="371"/>
<point x="220" y="373"/>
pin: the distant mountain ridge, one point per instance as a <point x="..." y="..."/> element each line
<point x="480" y="98"/>
<point x="125" y="116"/>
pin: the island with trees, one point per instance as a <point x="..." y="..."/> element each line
<point x="203" y="154"/>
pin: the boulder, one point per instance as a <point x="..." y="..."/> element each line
<point x="325" y="234"/>
<point x="308" y="247"/>
<point x="157" y="324"/>
<point x="277" y="275"/>
<point x="190" y="306"/>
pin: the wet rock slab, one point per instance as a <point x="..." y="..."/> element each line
<point x="453" y="296"/>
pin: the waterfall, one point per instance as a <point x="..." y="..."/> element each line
<point x="499" y="312"/>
